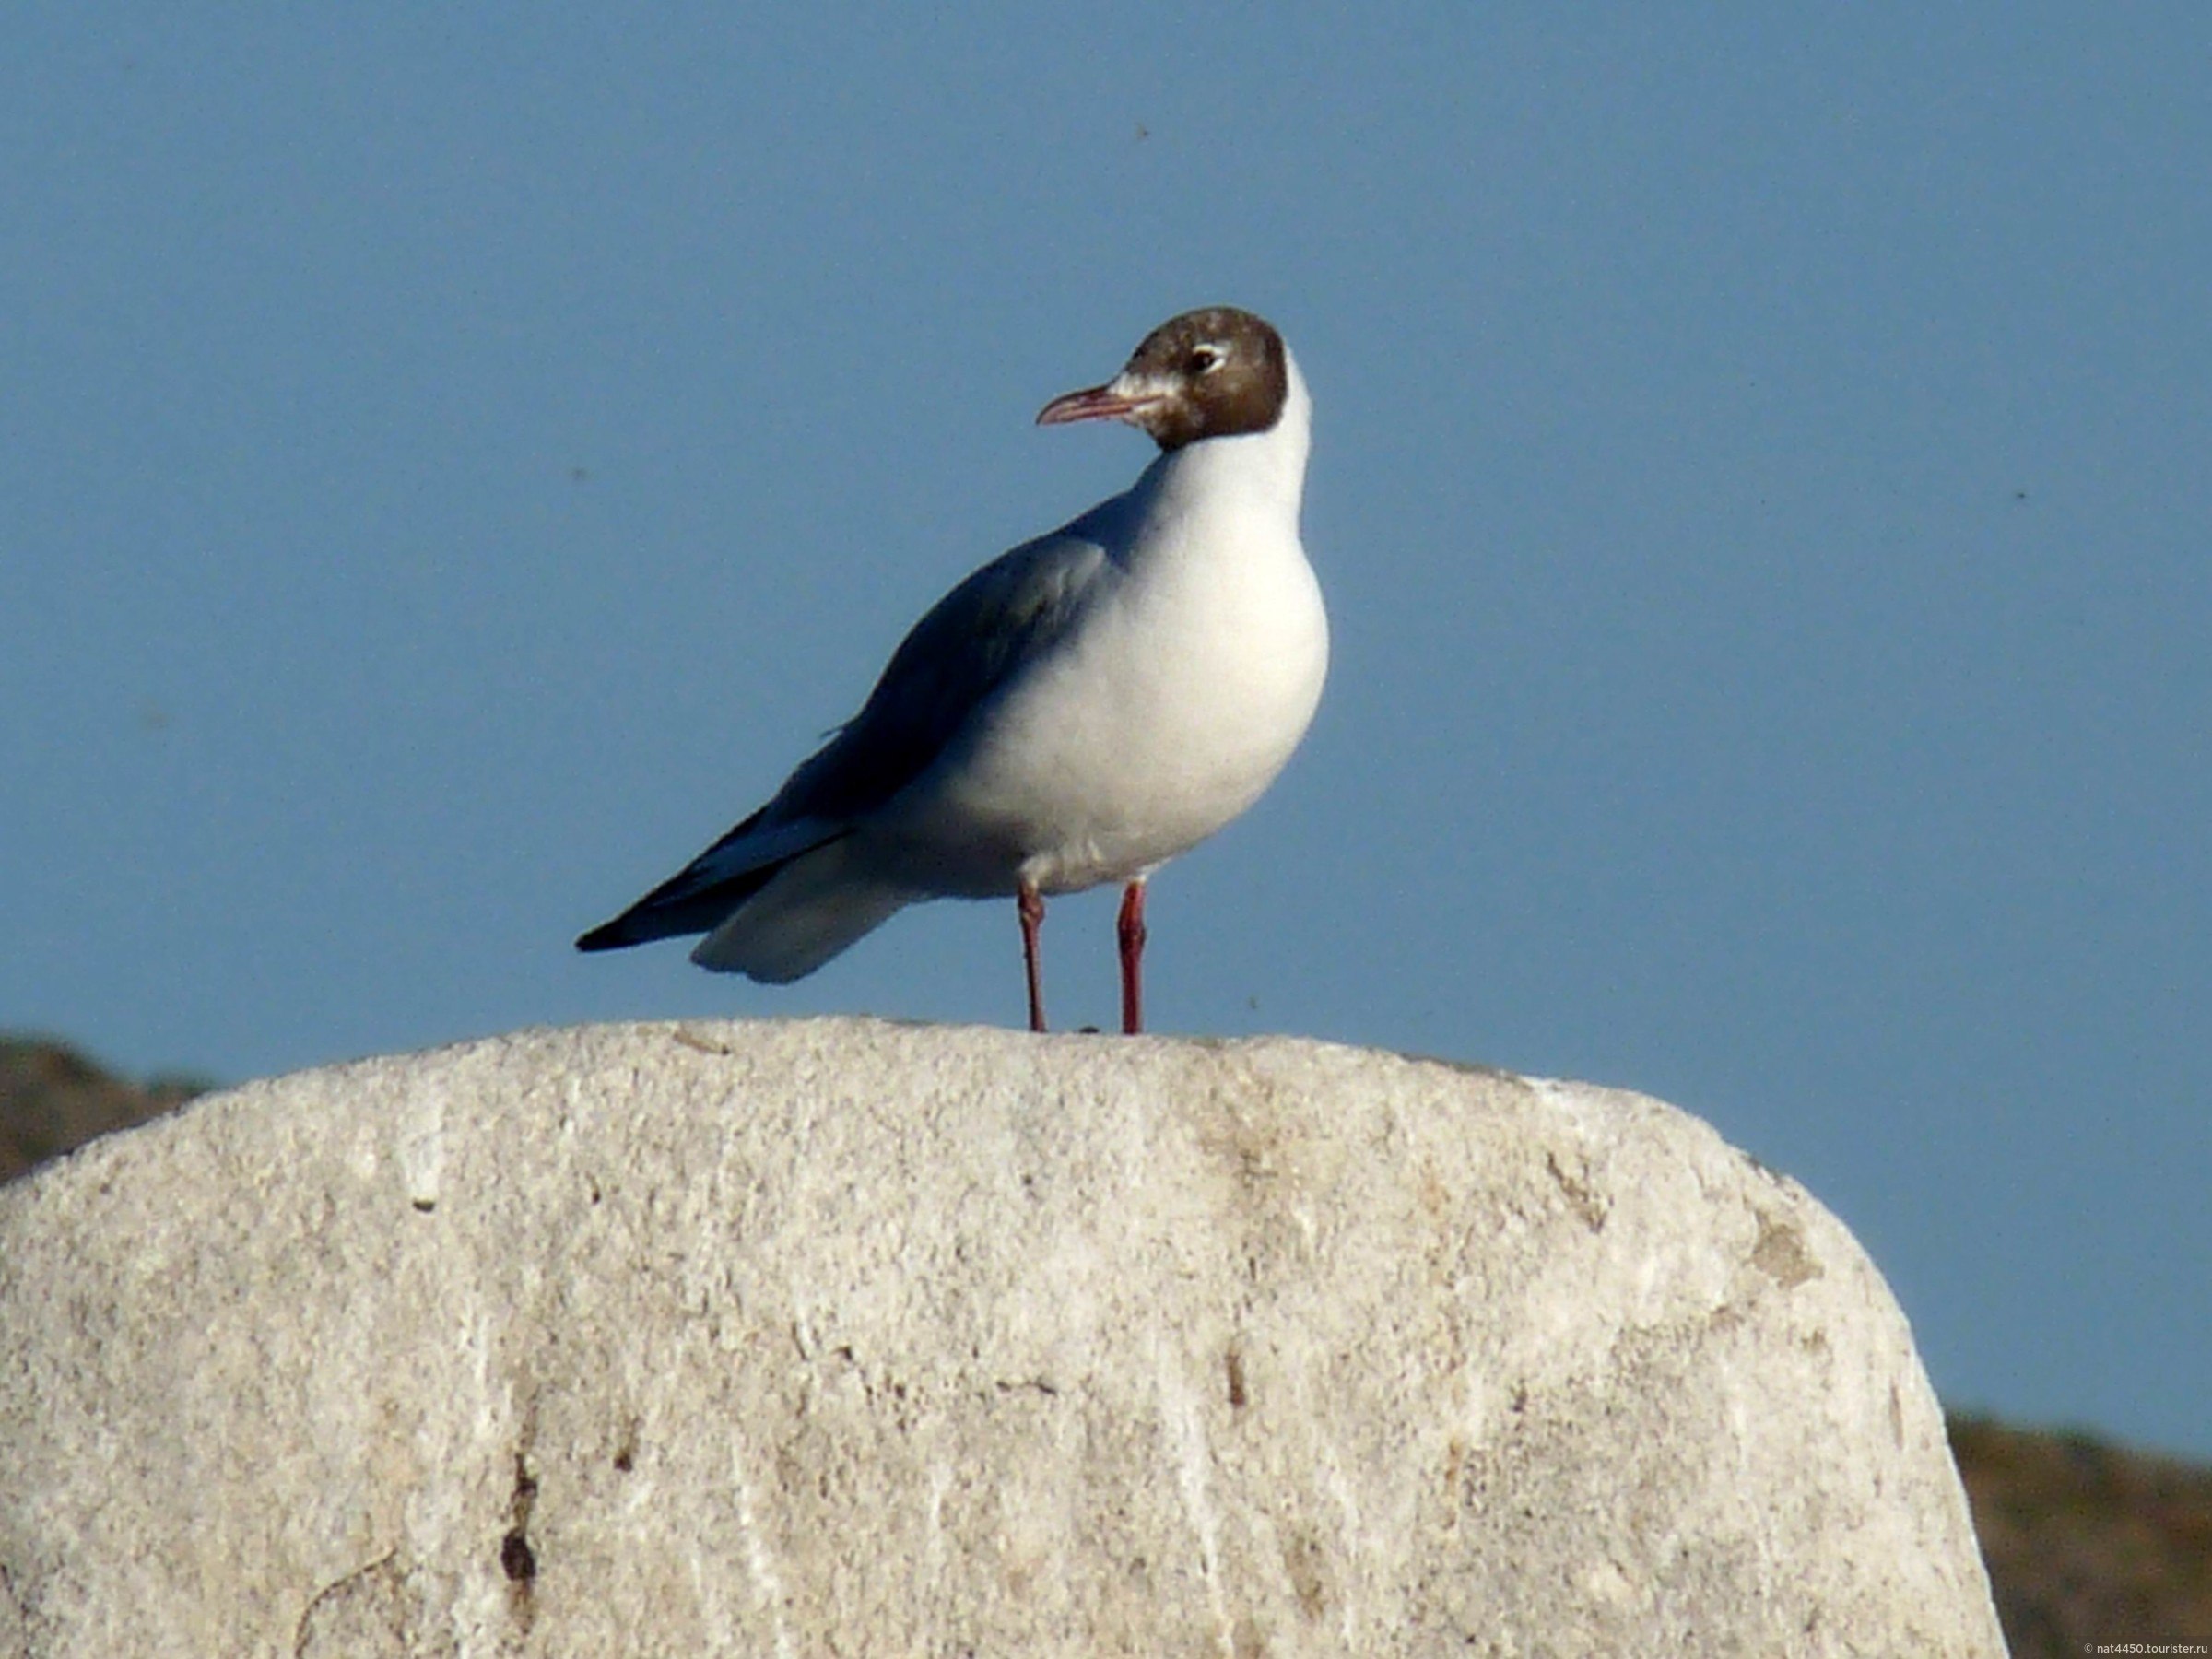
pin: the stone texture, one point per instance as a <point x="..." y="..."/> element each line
<point x="844" y="1338"/>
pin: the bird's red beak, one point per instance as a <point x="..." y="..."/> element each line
<point x="1111" y="402"/>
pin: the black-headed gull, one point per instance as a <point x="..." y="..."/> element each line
<point x="1077" y="711"/>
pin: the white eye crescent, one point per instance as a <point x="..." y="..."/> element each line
<point x="1205" y="359"/>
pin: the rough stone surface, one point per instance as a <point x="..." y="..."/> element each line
<point x="844" y="1338"/>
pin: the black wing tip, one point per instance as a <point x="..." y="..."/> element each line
<point x="607" y="935"/>
<point x="682" y="904"/>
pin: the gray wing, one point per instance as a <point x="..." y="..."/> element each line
<point x="951" y="666"/>
<point x="954" y="664"/>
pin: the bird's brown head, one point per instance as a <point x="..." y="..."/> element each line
<point x="1215" y="373"/>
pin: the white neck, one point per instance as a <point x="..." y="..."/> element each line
<point x="1261" y="469"/>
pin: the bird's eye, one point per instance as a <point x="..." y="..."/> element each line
<point x="1204" y="360"/>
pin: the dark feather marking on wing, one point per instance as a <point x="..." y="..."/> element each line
<point x="690" y="901"/>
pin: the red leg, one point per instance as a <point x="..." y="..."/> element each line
<point x="1031" y="905"/>
<point x="1131" y="930"/>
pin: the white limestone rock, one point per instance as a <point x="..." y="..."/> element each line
<point x="837" y="1336"/>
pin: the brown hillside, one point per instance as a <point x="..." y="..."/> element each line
<point x="2089" y="1546"/>
<point x="52" y="1099"/>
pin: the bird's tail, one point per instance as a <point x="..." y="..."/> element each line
<point x="803" y="914"/>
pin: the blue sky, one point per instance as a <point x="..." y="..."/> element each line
<point x="453" y="463"/>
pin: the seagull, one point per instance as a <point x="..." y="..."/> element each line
<point x="1080" y="710"/>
